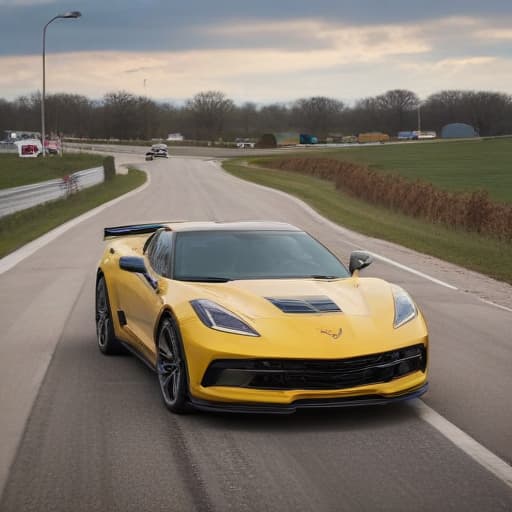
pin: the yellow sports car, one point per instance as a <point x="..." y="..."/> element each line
<point x="256" y="317"/>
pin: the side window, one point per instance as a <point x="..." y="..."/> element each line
<point x="149" y="246"/>
<point x="159" y="253"/>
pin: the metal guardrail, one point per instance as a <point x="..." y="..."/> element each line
<point x="19" y="198"/>
<point x="106" y="148"/>
<point x="8" y="148"/>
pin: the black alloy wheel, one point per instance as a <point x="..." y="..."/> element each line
<point x="171" y="368"/>
<point x="107" y="342"/>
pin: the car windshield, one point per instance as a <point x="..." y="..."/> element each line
<point x="230" y="255"/>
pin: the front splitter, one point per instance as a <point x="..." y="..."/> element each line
<point x="331" y="403"/>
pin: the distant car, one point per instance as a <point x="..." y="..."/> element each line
<point x="159" y="151"/>
<point x="52" y="147"/>
<point x="244" y="143"/>
<point x="256" y="317"/>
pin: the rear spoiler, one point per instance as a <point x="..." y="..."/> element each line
<point x="134" y="229"/>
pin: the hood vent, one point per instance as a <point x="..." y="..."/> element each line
<point x="320" y="304"/>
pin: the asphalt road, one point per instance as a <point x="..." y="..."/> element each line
<point x="81" y="431"/>
<point x="220" y="152"/>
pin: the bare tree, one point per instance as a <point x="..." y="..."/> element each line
<point x="274" y="118"/>
<point x="209" y="111"/>
<point x="120" y="112"/>
<point x="487" y="112"/>
<point x="210" y="115"/>
<point x="396" y="108"/>
<point x="318" y="115"/>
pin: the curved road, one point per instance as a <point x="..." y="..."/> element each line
<point x="81" y="431"/>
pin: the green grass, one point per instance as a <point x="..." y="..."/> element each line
<point x="451" y="165"/>
<point x="16" y="171"/>
<point x="22" y="227"/>
<point x="472" y="251"/>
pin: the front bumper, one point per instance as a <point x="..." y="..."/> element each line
<point x="319" y="403"/>
<point x="204" y="346"/>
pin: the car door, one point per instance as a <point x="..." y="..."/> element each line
<point x="144" y="302"/>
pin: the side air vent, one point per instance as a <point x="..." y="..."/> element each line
<point x="305" y="304"/>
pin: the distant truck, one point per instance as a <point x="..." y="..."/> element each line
<point x="416" y="135"/>
<point x="363" y="138"/>
<point x="11" y="136"/>
<point x="306" y="138"/>
<point x="425" y="135"/>
<point x="407" y="135"/>
<point x="175" y="137"/>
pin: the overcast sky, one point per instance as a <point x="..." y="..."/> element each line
<point x="259" y="50"/>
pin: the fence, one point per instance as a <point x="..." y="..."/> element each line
<point x="8" y="148"/>
<point x="19" y="198"/>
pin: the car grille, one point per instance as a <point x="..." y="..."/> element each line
<point x="285" y="374"/>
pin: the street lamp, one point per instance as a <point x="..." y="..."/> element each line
<point x="66" y="15"/>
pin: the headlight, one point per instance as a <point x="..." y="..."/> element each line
<point x="216" y="317"/>
<point x="405" y="309"/>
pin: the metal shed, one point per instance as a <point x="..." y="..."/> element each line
<point x="458" y="131"/>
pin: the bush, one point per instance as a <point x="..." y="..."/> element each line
<point x="109" y="168"/>
<point x="474" y="212"/>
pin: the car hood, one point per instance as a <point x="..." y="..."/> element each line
<point x="254" y="299"/>
<point x="366" y="304"/>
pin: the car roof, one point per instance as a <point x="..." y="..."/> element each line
<point x="230" y="226"/>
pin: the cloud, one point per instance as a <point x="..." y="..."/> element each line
<point x="365" y="42"/>
<point x="283" y="61"/>
<point x="24" y="3"/>
<point x="262" y="76"/>
<point x="453" y="66"/>
<point x="495" y="34"/>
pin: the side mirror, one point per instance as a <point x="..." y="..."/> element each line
<point x="137" y="265"/>
<point x="359" y="260"/>
<point x="132" y="264"/>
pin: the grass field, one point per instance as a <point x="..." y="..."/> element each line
<point x="15" y="171"/>
<point x="22" y="227"/>
<point x="473" y="251"/>
<point x="452" y="165"/>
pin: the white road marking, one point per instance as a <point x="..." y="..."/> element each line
<point x="498" y="467"/>
<point x="495" y="305"/>
<point x="412" y="270"/>
<point x="12" y="259"/>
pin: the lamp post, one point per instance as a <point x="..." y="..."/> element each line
<point x="67" y="15"/>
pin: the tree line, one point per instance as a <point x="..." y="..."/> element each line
<point x="211" y="115"/>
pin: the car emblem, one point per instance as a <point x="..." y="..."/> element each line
<point x="333" y="335"/>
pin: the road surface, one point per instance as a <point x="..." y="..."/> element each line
<point x="81" y="431"/>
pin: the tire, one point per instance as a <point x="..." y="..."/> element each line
<point x="105" y="335"/>
<point x="171" y="368"/>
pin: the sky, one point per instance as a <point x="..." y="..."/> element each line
<point x="263" y="51"/>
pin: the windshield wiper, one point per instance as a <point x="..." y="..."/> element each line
<point x="205" y="279"/>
